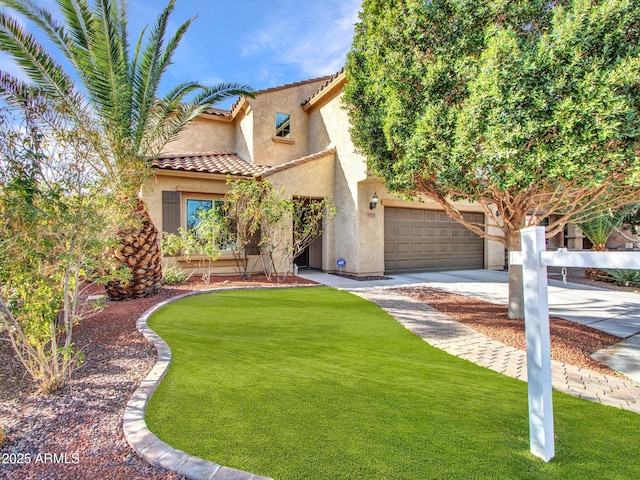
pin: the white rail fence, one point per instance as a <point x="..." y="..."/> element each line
<point x="534" y="260"/>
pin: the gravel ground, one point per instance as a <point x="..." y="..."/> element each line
<point x="76" y="433"/>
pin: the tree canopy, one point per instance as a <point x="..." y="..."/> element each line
<point x="530" y="108"/>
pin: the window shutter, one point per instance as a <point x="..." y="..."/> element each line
<point x="170" y="211"/>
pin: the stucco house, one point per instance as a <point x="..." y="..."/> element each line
<point x="297" y="136"/>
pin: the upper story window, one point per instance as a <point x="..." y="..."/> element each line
<point x="283" y="125"/>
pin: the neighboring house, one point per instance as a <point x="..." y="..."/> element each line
<point x="622" y="239"/>
<point x="297" y="136"/>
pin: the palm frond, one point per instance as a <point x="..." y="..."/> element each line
<point x="149" y="72"/>
<point x="164" y="118"/>
<point x="16" y="92"/>
<point x="601" y="225"/>
<point x="123" y="34"/>
<point x="44" y="19"/>
<point x="79" y="21"/>
<point x="212" y="95"/>
<point x="173" y="43"/>
<point x="109" y="85"/>
<point x="180" y="91"/>
<point x="121" y="91"/>
<point x="37" y="63"/>
<point x="171" y="115"/>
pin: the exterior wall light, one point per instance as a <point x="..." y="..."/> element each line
<point x="374" y="201"/>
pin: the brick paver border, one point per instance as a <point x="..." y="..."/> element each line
<point x="453" y="337"/>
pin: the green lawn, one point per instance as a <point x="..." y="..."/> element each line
<point x="315" y="383"/>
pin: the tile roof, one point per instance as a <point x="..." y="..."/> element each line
<point x="294" y="163"/>
<point x="282" y="87"/>
<point x="218" y="112"/>
<point x="223" y="163"/>
<point x="330" y="80"/>
<point x="228" y="163"/>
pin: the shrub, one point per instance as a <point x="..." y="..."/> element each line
<point x="174" y="276"/>
<point x="201" y="240"/>
<point x="56" y="210"/>
<point x="626" y="278"/>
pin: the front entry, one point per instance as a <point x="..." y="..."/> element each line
<point x="311" y="256"/>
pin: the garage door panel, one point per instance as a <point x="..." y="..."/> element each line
<point x="404" y="264"/>
<point x="417" y="215"/>
<point x="402" y="248"/>
<point x="403" y="214"/>
<point x="428" y="240"/>
<point x="404" y="231"/>
<point x="417" y="248"/>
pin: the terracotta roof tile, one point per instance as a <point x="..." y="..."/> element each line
<point x="228" y="163"/>
<point x="282" y="87"/>
<point x="223" y="163"/>
<point x="329" y="81"/>
<point x="218" y="112"/>
<point x="294" y="163"/>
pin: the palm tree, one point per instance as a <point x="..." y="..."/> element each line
<point x="599" y="229"/>
<point x="116" y="88"/>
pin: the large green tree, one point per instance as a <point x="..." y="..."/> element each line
<point x="529" y="108"/>
<point x="99" y="72"/>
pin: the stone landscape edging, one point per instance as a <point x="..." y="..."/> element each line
<point x="142" y="440"/>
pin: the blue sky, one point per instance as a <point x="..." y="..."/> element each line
<point x="255" y="42"/>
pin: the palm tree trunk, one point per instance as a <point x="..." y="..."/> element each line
<point x="139" y="251"/>
<point x="595" y="273"/>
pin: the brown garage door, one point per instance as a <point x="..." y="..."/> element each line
<point x="428" y="240"/>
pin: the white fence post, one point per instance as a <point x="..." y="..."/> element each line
<point x="536" y="307"/>
<point x="535" y="260"/>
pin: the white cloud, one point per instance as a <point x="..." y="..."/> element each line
<point x="211" y="81"/>
<point x="316" y="42"/>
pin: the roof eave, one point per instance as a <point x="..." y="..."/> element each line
<point x="297" y="162"/>
<point x="219" y="118"/>
<point x="192" y="174"/>
<point x="328" y="92"/>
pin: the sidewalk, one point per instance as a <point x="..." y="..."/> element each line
<point x="611" y="311"/>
